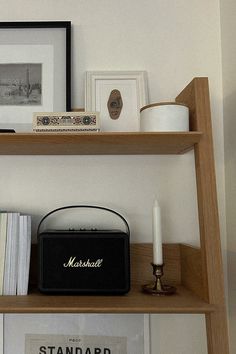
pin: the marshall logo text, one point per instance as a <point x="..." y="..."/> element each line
<point x="74" y="263"/>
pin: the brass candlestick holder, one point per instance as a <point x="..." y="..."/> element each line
<point x="157" y="288"/>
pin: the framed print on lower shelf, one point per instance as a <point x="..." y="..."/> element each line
<point x="1" y="333"/>
<point x="35" y="70"/>
<point x="118" y="333"/>
<point x="118" y="96"/>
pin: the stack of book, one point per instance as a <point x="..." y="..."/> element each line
<point x="15" y="246"/>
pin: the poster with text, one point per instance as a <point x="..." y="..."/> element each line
<point x="65" y="344"/>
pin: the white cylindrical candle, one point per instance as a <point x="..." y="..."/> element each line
<point x="157" y="234"/>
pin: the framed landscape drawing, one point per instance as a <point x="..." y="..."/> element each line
<point x="35" y="70"/>
<point x="21" y="84"/>
<point x="118" y="96"/>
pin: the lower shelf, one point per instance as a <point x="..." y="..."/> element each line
<point x="182" y="269"/>
<point x="184" y="301"/>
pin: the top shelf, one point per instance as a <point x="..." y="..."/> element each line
<point x="102" y="143"/>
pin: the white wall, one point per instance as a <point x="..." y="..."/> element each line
<point x="228" y="11"/>
<point x="173" y="41"/>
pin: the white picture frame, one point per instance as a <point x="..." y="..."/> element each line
<point x="133" y="89"/>
<point x="136" y="327"/>
<point x="1" y="333"/>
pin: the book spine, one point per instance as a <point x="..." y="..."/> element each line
<point x="11" y="254"/>
<point x="3" y="238"/>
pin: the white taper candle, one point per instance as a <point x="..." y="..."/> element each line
<point x="157" y="234"/>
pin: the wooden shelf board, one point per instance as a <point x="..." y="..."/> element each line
<point x="134" y="302"/>
<point x="105" y="143"/>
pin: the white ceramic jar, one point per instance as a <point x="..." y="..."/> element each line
<point x="165" y="116"/>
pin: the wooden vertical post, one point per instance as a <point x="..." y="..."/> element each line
<point x="196" y="96"/>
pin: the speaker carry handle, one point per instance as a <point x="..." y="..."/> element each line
<point x="84" y="206"/>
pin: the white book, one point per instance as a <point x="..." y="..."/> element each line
<point x="24" y="254"/>
<point x="11" y="254"/>
<point x="3" y="238"/>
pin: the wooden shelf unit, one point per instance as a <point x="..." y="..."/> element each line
<point x="198" y="274"/>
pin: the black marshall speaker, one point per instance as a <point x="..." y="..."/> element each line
<point x="86" y="261"/>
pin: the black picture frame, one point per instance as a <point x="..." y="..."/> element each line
<point x="8" y="30"/>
